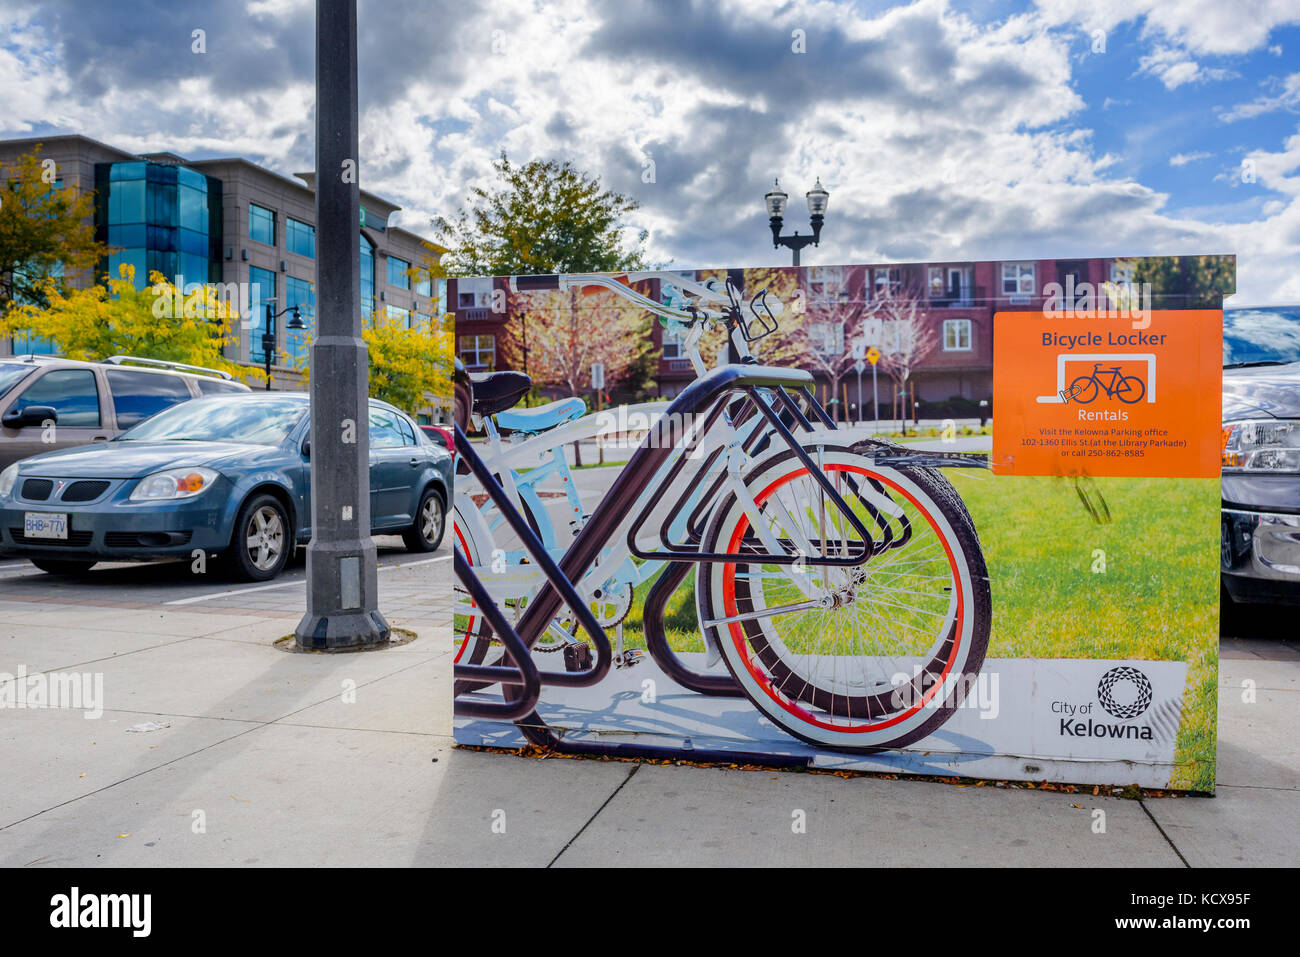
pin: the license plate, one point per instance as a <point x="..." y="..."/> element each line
<point x="45" y="525"/>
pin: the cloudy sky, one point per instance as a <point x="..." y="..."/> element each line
<point x="943" y="130"/>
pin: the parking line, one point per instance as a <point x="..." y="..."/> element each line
<point x="256" y="588"/>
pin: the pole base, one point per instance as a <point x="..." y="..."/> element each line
<point x="344" y="631"/>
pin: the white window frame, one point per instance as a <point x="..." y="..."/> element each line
<point x="477" y="349"/>
<point x="892" y="277"/>
<point x="480" y="287"/>
<point x="1017" y="273"/>
<point x="672" y="340"/>
<point x="826" y="283"/>
<point x="957" y="326"/>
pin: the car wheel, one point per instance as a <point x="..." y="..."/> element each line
<point x="60" y="566"/>
<point x="425" y="533"/>
<point x="262" y="540"/>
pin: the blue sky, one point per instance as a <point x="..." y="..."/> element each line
<point x="958" y="130"/>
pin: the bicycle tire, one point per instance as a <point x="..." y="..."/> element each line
<point x="794" y="694"/>
<point x="1120" y="390"/>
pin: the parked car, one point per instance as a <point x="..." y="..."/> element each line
<point x="90" y="401"/>
<point x="443" y="437"/>
<point x="1260" y="533"/>
<point x="228" y="476"/>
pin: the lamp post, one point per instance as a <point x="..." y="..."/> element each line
<point x="269" y="337"/>
<point x="775" y="200"/>
<point x="342" y="571"/>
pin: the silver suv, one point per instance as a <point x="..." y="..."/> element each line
<point x="50" y="403"/>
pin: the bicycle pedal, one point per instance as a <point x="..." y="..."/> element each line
<point x="633" y="656"/>
<point x="577" y="657"/>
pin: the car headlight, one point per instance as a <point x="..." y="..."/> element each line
<point x="8" y="478"/>
<point x="1262" y="445"/>
<point x="174" y="484"/>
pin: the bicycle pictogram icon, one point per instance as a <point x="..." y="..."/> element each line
<point x="1110" y="380"/>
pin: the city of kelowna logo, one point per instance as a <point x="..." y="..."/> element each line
<point x="1124" y="693"/>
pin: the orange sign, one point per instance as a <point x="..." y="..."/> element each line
<point x="1097" y="396"/>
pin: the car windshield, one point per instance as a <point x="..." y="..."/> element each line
<point x="256" y="420"/>
<point x="12" y="373"/>
<point x="1264" y="335"/>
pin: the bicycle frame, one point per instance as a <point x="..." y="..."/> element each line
<point x="626" y="505"/>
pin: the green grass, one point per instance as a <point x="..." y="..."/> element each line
<point x="1157" y="599"/>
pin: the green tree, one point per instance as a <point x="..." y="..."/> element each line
<point x="546" y="217"/>
<point x="1187" y="282"/>
<point x="157" y="322"/>
<point x="44" y="231"/>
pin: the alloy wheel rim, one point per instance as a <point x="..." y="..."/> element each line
<point x="264" y="538"/>
<point x="430" y="520"/>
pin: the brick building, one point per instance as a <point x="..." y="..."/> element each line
<point x="958" y="301"/>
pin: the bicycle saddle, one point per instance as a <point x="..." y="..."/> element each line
<point x="497" y="391"/>
<point x="542" y="417"/>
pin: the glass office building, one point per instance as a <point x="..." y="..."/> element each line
<point x="159" y="217"/>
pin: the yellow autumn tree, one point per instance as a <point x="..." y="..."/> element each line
<point x="192" y="325"/>
<point x="409" y="364"/>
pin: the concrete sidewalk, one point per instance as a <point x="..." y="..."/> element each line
<point x="267" y="757"/>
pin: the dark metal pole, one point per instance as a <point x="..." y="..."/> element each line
<point x="268" y="331"/>
<point x="342" y="583"/>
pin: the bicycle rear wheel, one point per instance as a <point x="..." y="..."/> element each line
<point x="863" y="658"/>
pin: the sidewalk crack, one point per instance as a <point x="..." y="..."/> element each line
<point x="635" y="768"/>
<point x="1167" y="838"/>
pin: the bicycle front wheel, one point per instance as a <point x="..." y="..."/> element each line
<point x="1130" y="389"/>
<point x="862" y="658"/>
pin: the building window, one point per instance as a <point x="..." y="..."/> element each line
<point x="399" y="315"/>
<point x="424" y="285"/>
<point x="261" y="224"/>
<point x="300" y="293"/>
<point x="1018" y="279"/>
<point x="397" y="273"/>
<point x="262" y="282"/>
<point x="474" y="293"/>
<point x="673" y="342"/>
<point x="367" y="278"/>
<point x="300" y="237"/>
<point x="949" y="284"/>
<point x="888" y="281"/>
<point x="956" y="335"/>
<point x="478" y="351"/>
<point x="828" y="338"/>
<point x="826" y="284"/>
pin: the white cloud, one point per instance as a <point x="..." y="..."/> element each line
<point x="1287" y="99"/>
<point x="938" y="136"/>
<point x="1182" y="159"/>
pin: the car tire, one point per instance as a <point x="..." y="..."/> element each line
<point x="425" y="533"/>
<point x="63" y="566"/>
<point x="262" y="517"/>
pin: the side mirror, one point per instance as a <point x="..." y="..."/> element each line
<point x="31" y="415"/>
<point x="306" y="449"/>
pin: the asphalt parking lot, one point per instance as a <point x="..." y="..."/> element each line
<point x="175" y="584"/>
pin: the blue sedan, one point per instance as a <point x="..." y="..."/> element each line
<point x="224" y="477"/>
